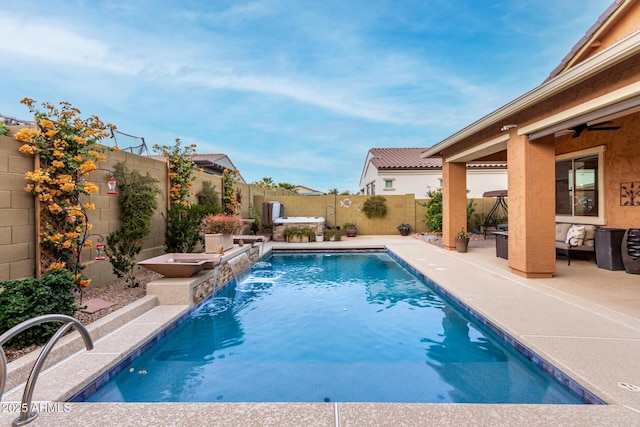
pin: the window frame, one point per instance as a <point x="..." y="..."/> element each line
<point x="385" y="181"/>
<point x="579" y="219"/>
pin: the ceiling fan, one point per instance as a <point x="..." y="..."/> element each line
<point x="577" y="130"/>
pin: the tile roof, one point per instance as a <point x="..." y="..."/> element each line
<point x="402" y="158"/>
<point x="585" y="39"/>
<point x="411" y="158"/>
<point x="197" y="158"/>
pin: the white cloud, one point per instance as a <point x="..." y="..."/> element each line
<point x="49" y="42"/>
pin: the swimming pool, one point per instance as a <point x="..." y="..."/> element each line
<point x="332" y="327"/>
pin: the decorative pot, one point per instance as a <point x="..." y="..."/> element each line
<point x="320" y="238"/>
<point x="404" y="232"/>
<point x="351" y="231"/>
<point x="213" y="242"/>
<point x="462" y="244"/>
<point x="299" y="239"/>
<point x="630" y="251"/>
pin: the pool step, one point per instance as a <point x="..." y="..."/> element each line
<point x="19" y="370"/>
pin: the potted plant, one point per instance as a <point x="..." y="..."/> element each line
<point x="299" y="234"/>
<point x="218" y="230"/>
<point x="333" y="234"/>
<point x="404" y="229"/>
<point x="350" y="229"/>
<point x="375" y="207"/>
<point x="462" y="240"/>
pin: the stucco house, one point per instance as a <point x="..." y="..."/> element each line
<point x="405" y="171"/>
<point x="571" y="146"/>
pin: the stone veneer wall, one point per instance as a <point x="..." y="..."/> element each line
<point x="223" y="276"/>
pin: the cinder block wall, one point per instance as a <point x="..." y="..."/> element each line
<point x="338" y="209"/>
<point x="106" y="217"/>
<point x="18" y="230"/>
<point x="17" y="226"/>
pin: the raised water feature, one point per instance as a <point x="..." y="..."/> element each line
<point x="180" y="264"/>
<point x="241" y="266"/>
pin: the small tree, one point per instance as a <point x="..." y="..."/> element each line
<point x="433" y="213"/>
<point x="137" y="204"/>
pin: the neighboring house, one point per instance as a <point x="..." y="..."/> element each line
<point x="404" y="171"/>
<point x="213" y="164"/>
<point x="571" y="146"/>
<point x="306" y="191"/>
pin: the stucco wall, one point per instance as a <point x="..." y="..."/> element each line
<point x="621" y="165"/>
<point x="479" y="181"/>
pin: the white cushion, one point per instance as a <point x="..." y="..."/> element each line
<point x="589" y="235"/>
<point x="575" y="235"/>
<point x="562" y="228"/>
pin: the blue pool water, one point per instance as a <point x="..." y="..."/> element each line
<point x="319" y="327"/>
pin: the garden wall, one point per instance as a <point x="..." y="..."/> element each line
<point x="17" y="227"/>
<point x="18" y="232"/>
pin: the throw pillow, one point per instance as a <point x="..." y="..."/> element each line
<point x="575" y="236"/>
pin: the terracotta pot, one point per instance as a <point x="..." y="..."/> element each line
<point x="351" y="231"/>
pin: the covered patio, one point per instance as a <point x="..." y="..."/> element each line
<point x="571" y="145"/>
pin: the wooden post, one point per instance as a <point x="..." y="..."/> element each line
<point x="38" y="225"/>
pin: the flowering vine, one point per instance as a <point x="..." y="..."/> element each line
<point x="181" y="170"/>
<point x="230" y="202"/>
<point x="67" y="148"/>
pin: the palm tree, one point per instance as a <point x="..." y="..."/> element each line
<point x="267" y="182"/>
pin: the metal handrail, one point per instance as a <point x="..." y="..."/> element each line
<point x="26" y="415"/>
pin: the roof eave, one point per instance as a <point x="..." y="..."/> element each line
<point x="617" y="53"/>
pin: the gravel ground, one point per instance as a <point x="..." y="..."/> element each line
<point x="116" y="292"/>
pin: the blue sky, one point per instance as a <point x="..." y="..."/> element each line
<point x="298" y="91"/>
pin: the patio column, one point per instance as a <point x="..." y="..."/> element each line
<point x="531" y="174"/>
<point x="454" y="201"/>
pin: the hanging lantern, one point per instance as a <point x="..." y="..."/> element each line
<point x="112" y="186"/>
<point x="100" y="252"/>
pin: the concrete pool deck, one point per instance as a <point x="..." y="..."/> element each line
<point x="585" y="321"/>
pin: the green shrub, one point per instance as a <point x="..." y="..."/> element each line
<point x="209" y="198"/>
<point x="374" y="207"/>
<point x="138" y="202"/>
<point x="24" y="299"/>
<point x="183" y="223"/>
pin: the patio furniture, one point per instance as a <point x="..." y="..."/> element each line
<point x="502" y="244"/>
<point x="575" y="239"/>
<point x="608" y="248"/>
<point x="500" y="204"/>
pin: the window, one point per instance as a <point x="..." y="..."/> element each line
<point x="579" y="179"/>
<point x="388" y="184"/>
